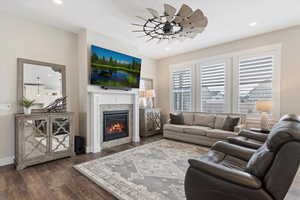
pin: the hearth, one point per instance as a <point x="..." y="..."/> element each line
<point x="115" y="125"/>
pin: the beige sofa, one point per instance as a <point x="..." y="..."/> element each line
<point x="202" y="128"/>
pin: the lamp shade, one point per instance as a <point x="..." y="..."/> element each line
<point x="150" y="93"/>
<point x="264" y="106"/>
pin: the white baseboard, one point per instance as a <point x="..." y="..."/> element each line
<point x="7" y="161"/>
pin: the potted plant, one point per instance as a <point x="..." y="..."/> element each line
<point x="27" y="104"/>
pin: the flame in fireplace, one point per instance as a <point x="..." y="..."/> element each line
<point x="117" y="127"/>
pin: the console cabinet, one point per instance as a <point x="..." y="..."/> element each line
<point x="150" y="122"/>
<point x="42" y="137"/>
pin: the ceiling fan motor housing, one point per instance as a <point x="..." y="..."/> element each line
<point x="168" y="28"/>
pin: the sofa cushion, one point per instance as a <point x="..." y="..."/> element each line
<point x="196" y="130"/>
<point x="188" y="118"/>
<point x="207" y="120"/>
<point x="174" y="127"/>
<point x="230" y="123"/>
<point x="176" y="118"/>
<point x="220" y="134"/>
<point x="219" y="121"/>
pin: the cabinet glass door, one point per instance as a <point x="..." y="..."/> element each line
<point x="35" y="137"/>
<point x="60" y="134"/>
<point x="153" y="120"/>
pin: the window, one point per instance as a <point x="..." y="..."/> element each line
<point x="230" y="83"/>
<point x="255" y="82"/>
<point x="212" y="81"/>
<point x="182" y="90"/>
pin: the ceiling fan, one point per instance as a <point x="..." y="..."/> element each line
<point x="172" y="25"/>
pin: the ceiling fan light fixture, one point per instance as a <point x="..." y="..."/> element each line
<point x="170" y="26"/>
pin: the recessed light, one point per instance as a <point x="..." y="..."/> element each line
<point x="167" y="48"/>
<point x="253" y="24"/>
<point x="58" y="2"/>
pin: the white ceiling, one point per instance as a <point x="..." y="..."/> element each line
<point x="228" y="19"/>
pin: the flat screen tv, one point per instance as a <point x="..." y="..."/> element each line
<point x="111" y="69"/>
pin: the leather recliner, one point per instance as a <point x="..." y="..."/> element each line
<point x="250" y="139"/>
<point x="233" y="172"/>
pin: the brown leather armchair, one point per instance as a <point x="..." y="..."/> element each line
<point x="232" y="172"/>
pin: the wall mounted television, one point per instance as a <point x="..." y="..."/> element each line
<point x="113" y="70"/>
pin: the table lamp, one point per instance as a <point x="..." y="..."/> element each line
<point x="264" y="107"/>
<point x="142" y="95"/>
<point x="150" y="94"/>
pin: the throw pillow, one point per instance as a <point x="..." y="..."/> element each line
<point x="176" y="118"/>
<point x="219" y="122"/>
<point x="188" y="118"/>
<point x="207" y="120"/>
<point x="230" y="123"/>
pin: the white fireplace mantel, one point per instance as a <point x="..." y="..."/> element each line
<point x="100" y="97"/>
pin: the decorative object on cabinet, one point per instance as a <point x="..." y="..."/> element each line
<point x="41" y="81"/>
<point x="42" y="137"/>
<point x="59" y="105"/>
<point x="27" y="104"/>
<point x="150" y="122"/>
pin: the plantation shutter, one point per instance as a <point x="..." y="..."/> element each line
<point x="255" y="82"/>
<point x="213" y="88"/>
<point x="182" y="90"/>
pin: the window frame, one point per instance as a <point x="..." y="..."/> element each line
<point x="180" y="67"/>
<point x="227" y="83"/>
<point x="274" y="51"/>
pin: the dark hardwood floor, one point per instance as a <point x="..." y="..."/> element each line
<point x="58" y="180"/>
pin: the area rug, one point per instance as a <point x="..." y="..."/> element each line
<point x="152" y="171"/>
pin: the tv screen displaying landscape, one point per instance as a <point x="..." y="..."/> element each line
<point x="113" y="69"/>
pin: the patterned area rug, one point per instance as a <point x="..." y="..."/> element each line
<point x="153" y="171"/>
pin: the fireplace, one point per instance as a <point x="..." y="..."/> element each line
<point x="115" y="125"/>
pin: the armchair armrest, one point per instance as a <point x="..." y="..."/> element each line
<point x="254" y="135"/>
<point x="239" y="128"/>
<point x="228" y="174"/>
<point x="240" y="152"/>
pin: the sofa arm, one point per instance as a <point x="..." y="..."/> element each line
<point x="239" y="128"/>
<point x="254" y="135"/>
<point x="228" y="174"/>
<point x="240" y="152"/>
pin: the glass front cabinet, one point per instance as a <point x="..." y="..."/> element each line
<point x="42" y="137"/>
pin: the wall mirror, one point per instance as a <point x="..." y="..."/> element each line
<point x="40" y="81"/>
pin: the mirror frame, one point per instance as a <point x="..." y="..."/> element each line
<point x="20" y="78"/>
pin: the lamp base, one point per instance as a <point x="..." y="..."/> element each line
<point x="264" y="122"/>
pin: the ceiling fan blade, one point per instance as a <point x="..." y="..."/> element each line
<point x="192" y="24"/>
<point x="178" y="19"/>
<point x="153" y="12"/>
<point x="198" y="14"/>
<point x="170" y="11"/>
<point x="137" y="25"/>
<point x="198" y="30"/>
<point x="185" y="11"/>
<point x="141" y="18"/>
<point x="200" y="23"/>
